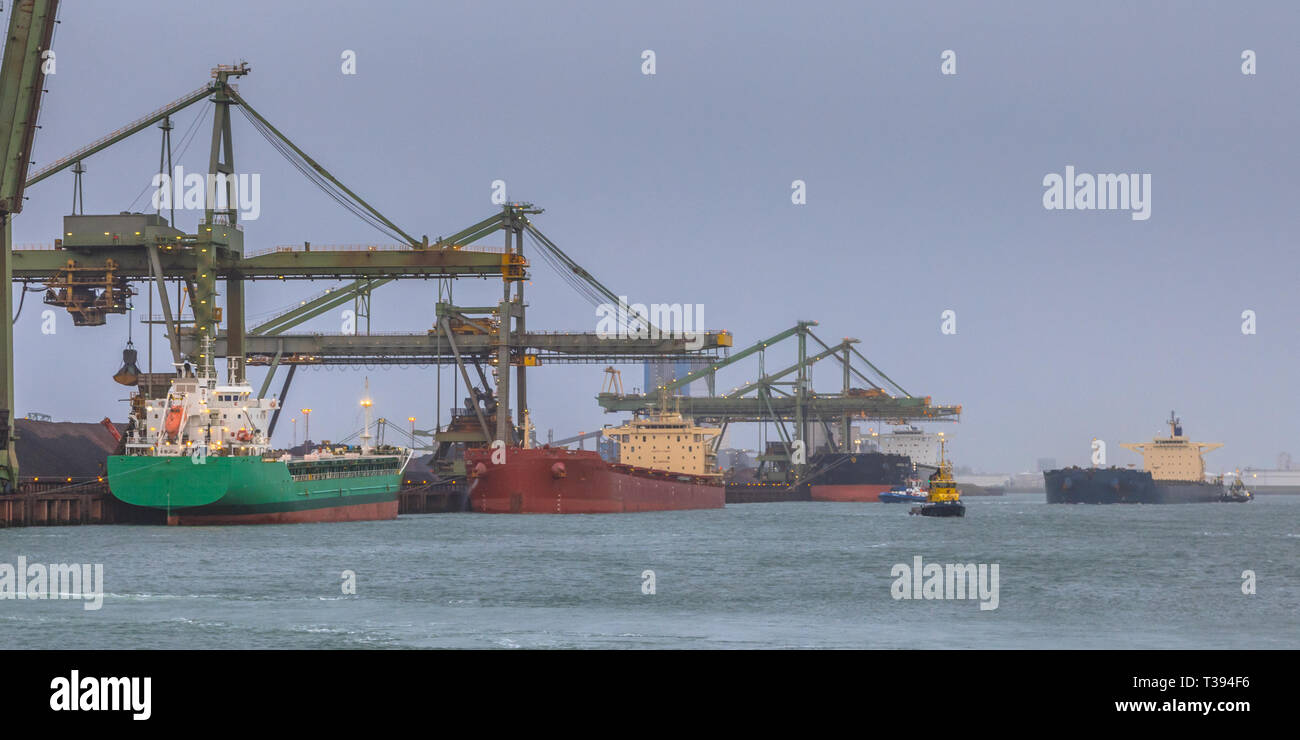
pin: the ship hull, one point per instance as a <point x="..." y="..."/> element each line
<point x="560" y="481"/>
<point x="1123" y="486"/>
<point x="856" y="477"/>
<point x="940" y="509"/>
<point x="757" y="492"/>
<point x="249" y="490"/>
<point x="350" y="513"/>
<point x="849" y="493"/>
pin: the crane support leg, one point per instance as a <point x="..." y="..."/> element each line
<point x="173" y="328"/>
<point x="8" y="457"/>
<point x="455" y="352"/>
<point x="284" y="393"/>
<point x="270" y="372"/>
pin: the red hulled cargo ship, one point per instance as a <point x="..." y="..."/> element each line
<point x="554" y="480"/>
<point x="665" y="463"/>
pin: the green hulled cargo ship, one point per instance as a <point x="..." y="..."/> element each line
<point x="203" y="456"/>
<point x="255" y="490"/>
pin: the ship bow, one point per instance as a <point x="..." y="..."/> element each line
<point x="167" y="482"/>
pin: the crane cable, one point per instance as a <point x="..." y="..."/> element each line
<point x="185" y="142"/>
<point x="23" y="299"/>
<point x="315" y="178"/>
<point x="564" y="267"/>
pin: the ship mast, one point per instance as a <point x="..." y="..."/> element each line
<point x="366" y="403"/>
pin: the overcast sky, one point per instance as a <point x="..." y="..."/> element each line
<point x="924" y="192"/>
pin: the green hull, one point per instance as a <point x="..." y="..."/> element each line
<point x="250" y="486"/>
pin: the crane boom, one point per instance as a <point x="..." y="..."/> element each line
<point x="22" y="80"/>
<point x="119" y="134"/>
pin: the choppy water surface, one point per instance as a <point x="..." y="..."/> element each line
<point x="748" y="576"/>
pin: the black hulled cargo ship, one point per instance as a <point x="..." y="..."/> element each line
<point x="829" y="476"/>
<point x="1123" y="486"/>
<point x="1174" y="474"/>
<point x="860" y="476"/>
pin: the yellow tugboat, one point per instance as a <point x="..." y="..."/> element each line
<point x="944" y="500"/>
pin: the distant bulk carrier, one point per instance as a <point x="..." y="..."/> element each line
<point x="665" y="462"/>
<point x="1174" y="474"/>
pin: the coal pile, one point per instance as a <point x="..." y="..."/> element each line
<point x="63" y="449"/>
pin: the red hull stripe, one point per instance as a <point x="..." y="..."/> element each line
<point x="854" y="493"/>
<point x="354" y="513"/>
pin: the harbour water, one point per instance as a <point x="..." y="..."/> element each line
<point x="792" y="575"/>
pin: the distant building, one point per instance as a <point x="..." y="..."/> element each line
<point x="983" y="480"/>
<point x="729" y="458"/>
<point x="725" y="441"/>
<point x="662" y="373"/>
<point x="818" y="440"/>
<point x="1026" y="482"/>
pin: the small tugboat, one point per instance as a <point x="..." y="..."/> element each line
<point x="1237" y="493"/>
<point x="903" y="494"/>
<point x="944" y="500"/>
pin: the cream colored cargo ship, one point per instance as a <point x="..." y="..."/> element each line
<point x="1174" y="473"/>
<point x="1173" y="458"/>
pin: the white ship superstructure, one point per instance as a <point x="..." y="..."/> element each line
<point x="200" y="413"/>
<point x="919" y="445"/>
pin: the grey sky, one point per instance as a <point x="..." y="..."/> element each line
<point x="924" y="191"/>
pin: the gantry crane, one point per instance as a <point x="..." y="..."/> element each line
<point x="771" y="398"/>
<point x="91" y="267"/>
<point x="22" y="81"/>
